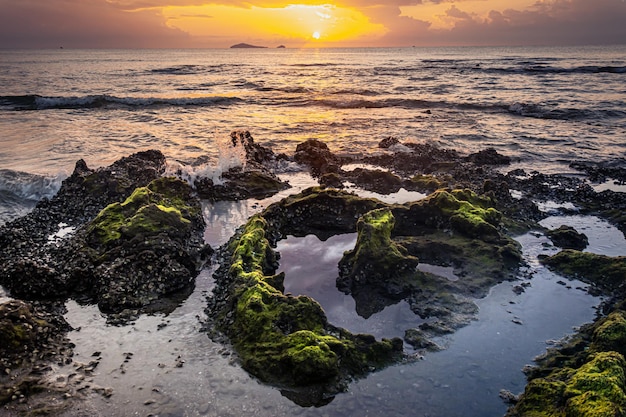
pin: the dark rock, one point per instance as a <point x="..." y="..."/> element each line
<point x="567" y="237"/>
<point x="605" y="272"/>
<point x="255" y="153"/>
<point x="388" y="142"/>
<point x="316" y="155"/>
<point x="240" y="185"/>
<point x="331" y="179"/>
<point x="253" y="180"/>
<point x="489" y="156"/>
<point x="146" y="247"/>
<point x="282" y="339"/>
<point x="419" y="340"/>
<point x="376" y="264"/>
<point x="322" y="212"/>
<point x="601" y="171"/>
<point x="382" y="182"/>
<point x="135" y="251"/>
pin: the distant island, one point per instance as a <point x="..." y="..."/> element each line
<point x="246" y="45"/>
<point x="280" y="46"/>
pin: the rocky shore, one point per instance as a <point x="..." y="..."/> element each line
<point x="128" y="238"/>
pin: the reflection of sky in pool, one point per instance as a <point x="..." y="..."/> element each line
<point x="310" y="266"/>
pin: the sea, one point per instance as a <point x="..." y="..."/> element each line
<point x="542" y="106"/>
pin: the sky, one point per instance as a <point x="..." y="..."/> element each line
<point x="308" y="23"/>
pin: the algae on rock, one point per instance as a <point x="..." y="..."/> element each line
<point x="377" y="262"/>
<point x="147" y="246"/>
<point x="605" y="272"/>
<point x="283" y="339"/>
<point x="287" y="340"/>
<point x="597" y="388"/>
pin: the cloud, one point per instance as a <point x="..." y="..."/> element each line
<point x="559" y="22"/>
<point x="141" y="23"/>
<point x="82" y="24"/>
<point x="547" y="22"/>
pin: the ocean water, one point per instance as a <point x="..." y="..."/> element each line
<point x="544" y="107"/>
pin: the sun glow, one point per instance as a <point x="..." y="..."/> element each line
<point x="293" y="24"/>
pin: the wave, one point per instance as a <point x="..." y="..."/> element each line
<point x="532" y="68"/>
<point x="187" y="69"/>
<point x="20" y="192"/>
<point x="520" y="109"/>
<point x="37" y="102"/>
<point x="539" y="112"/>
<point x="24" y="186"/>
<point x="315" y="64"/>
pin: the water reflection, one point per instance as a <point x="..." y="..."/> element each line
<point x="310" y="267"/>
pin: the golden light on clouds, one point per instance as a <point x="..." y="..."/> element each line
<point x="296" y="22"/>
<point x="439" y="14"/>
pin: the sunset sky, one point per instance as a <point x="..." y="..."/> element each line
<point x="308" y="23"/>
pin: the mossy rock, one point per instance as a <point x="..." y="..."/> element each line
<point x="567" y="237"/>
<point x="608" y="273"/>
<point x="147" y="246"/>
<point x="318" y="211"/>
<point x="376" y="258"/>
<point x="283" y="339"/>
<point x="594" y="389"/>
<point x="610" y="333"/>
<point x="22" y="330"/>
<point x="426" y="183"/>
<point x="149" y="210"/>
<point x="461" y="211"/>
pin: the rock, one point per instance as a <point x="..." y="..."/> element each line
<point x="418" y="340"/>
<point x="36" y="269"/>
<point x="32" y="337"/>
<point x="253" y="180"/>
<point x="240" y="185"/>
<point x="489" y="156"/>
<point x="382" y="182"/>
<point x="283" y="339"/>
<point x="376" y="264"/>
<point x="388" y="142"/>
<point x="567" y="237"/>
<point x="331" y="179"/>
<point x="128" y="253"/>
<point x="316" y="155"/>
<point x="322" y="212"/>
<point x="255" y="153"/>
<point x="605" y="272"/>
<point x="146" y="247"/>
<point x="595" y="388"/>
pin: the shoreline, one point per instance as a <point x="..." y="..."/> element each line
<point x="472" y="172"/>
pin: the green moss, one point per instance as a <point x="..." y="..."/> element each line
<point x="427" y="182"/>
<point x="467" y="212"/>
<point x="374" y="244"/>
<point x="606" y="272"/>
<point x="594" y="389"/>
<point x="597" y="388"/>
<point x="542" y="398"/>
<point x="610" y="333"/>
<point x="13" y="336"/>
<point x="144" y="212"/>
<point x="280" y="338"/>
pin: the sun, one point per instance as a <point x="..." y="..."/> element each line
<point x="316" y="35"/>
